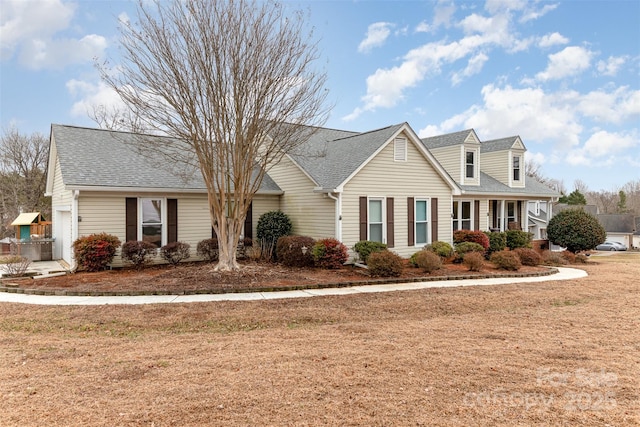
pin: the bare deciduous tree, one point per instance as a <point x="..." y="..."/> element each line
<point x="23" y="159"/>
<point x="236" y="81"/>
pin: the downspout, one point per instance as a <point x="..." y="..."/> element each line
<point x="338" y="215"/>
<point x="74" y="228"/>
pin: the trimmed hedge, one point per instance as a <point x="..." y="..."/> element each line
<point x="442" y="249"/>
<point x="385" y="264"/>
<point x="330" y="253"/>
<point x="96" y="251"/>
<point x="427" y="260"/>
<point x="364" y="248"/>
<point x="271" y="226"/>
<point x="497" y="241"/>
<point x="465" y="247"/>
<point x="474" y="261"/>
<point x="208" y="249"/>
<point x="295" y="251"/>
<point x="506" y="260"/>
<point x="138" y="252"/>
<point x="175" y="252"/>
<point x="518" y="239"/>
<point x="477" y="236"/>
<point x="528" y="256"/>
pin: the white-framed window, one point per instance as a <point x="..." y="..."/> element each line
<point x="400" y="149"/>
<point x="152" y="221"/>
<point x="421" y="219"/>
<point x="462" y="215"/>
<point x="516" y="168"/>
<point x="470" y="164"/>
<point x="375" y="219"/>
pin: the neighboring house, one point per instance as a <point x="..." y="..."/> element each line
<point x="495" y="193"/>
<point x="99" y="182"/>
<point x="539" y="212"/>
<point x="385" y="185"/>
<point x="619" y="227"/>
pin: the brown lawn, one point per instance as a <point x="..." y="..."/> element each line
<point x="551" y="353"/>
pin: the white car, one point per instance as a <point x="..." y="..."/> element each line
<point x="611" y="246"/>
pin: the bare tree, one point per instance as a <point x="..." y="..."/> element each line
<point x="23" y="159"/>
<point x="236" y="81"/>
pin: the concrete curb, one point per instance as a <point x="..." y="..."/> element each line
<point x="39" y="297"/>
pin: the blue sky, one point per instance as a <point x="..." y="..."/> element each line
<point x="563" y="75"/>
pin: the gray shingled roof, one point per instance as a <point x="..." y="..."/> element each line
<point x="617" y="223"/>
<point x="331" y="156"/>
<point x="498" y="144"/>
<point x="103" y="158"/>
<point x="455" y="138"/>
<point x="490" y="185"/>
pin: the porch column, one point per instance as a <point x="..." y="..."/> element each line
<point x="502" y="219"/>
<point x="525" y="208"/>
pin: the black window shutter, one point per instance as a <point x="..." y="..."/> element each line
<point x="390" y="220"/>
<point x="476" y="215"/>
<point x="172" y="220"/>
<point x="434" y="219"/>
<point x="363" y="218"/>
<point x="411" y="221"/>
<point x="248" y="222"/>
<point x="131" y="219"/>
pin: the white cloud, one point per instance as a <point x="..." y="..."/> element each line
<point x="532" y="13"/>
<point x="570" y="61"/>
<point x="443" y="13"/>
<point x="612" y="107"/>
<point x="92" y="95"/>
<point x="474" y="66"/>
<point x="30" y="30"/>
<point x="377" y="34"/>
<point x="611" y="66"/>
<point x="552" y="39"/>
<point x="423" y="27"/>
<point x="603" y="143"/>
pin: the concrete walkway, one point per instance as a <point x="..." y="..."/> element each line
<point x="563" y="274"/>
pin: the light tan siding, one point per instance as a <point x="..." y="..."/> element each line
<point x="262" y="204"/>
<point x="312" y="214"/>
<point x="105" y="212"/>
<point x="382" y="177"/>
<point x="496" y="164"/>
<point x="59" y="196"/>
<point x="451" y="159"/>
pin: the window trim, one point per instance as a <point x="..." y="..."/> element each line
<point x="472" y="164"/>
<point x="427" y="221"/>
<point x="163" y="218"/>
<point x="516" y="159"/>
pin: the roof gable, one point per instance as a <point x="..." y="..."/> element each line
<point x="502" y="144"/>
<point x="450" y="139"/>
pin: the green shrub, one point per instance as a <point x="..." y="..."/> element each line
<point x="575" y="230"/>
<point x="518" y="239"/>
<point x="385" y="264"/>
<point x="506" y="260"/>
<point x="175" y="252"/>
<point x="138" y="252"/>
<point x="364" y="248"/>
<point x="497" y="241"/>
<point x="96" y="251"/>
<point x="271" y="226"/>
<point x="427" y="260"/>
<point x="295" y="251"/>
<point x="442" y="249"/>
<point x="473" y="261"/>
<point x="528" y="256"/>
<point x="465" y="247"/>
<point x="330" y="253"/>
<point x="477" y="236"/>
<point x="553" y="258"/>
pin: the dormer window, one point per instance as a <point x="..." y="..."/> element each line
<point x="516" y="168"/>
<point x="470" y="165"/>
<point x="400" y="149"/>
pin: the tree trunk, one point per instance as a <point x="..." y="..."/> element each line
<point x="228" y="235"/>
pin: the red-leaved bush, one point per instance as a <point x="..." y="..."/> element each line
<point x="330" y="253"/>
<point x="96" y="251"/>
<point x="478" y="237"/>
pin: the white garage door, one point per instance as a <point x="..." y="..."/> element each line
<point x="65" y="244"/>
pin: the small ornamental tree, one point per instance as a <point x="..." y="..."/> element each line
<point x="576" y="230"/>
<point x="271" y="226"/>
